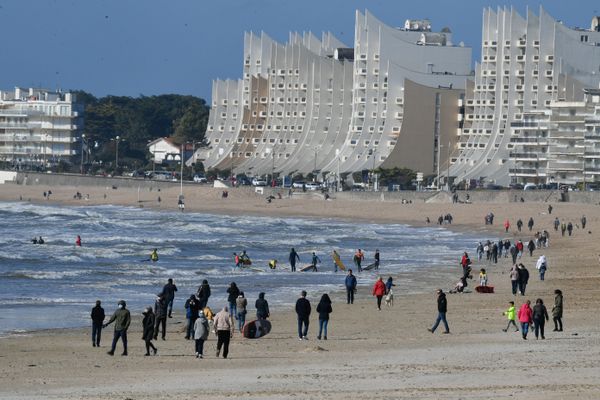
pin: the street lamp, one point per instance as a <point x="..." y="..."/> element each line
<point x="82" y="143"/>
<point x="117" y="139"/>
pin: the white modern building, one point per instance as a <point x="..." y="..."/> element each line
<point x="317" y="105"/>
<point x="526" y="64"/>
<point x="39" y="127"/>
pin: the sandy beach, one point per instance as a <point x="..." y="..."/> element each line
<point x="369" y="354"/>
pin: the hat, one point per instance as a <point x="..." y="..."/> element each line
<point x="201" y="313"/>
<point x="122" y="302"/>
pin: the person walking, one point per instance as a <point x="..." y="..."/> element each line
<point x="223" y="327"/>
<point x="556" y="224"/>
<point x="241" y="303"/>
<point x="192" y="306"/>
<point x="563" y="229"/>
<point x="358" y="259"/>
<point x="510" y="315"/>
<point x="200" y="334"/>
<point x="314" y="261"/>
<point x="570" y="228"/>
<point x="540" y="316"/>
<point x="169" y="293"/>
<point x="350" y="287"/>
<point x="523" y="278"/>
<point x="293" y="258"/>
<point x="519" y="224"/>
<point x="303" y="312"/>
<point x="388" y="284"/>
<point x="531" y="247"/>
<point x="97" y="321"/>
<point x="233" y="293"/>
<point x="506" y="225"/>
<point x="549" y="208"/>
<point x="262" y="307"/>
<point x="122" y="319"/>
<point x="514" y="278"/>
<point x="525" y="318"/>
<point x="160" y="309"/>
<point x="203" y="294"/>
<point x="530" y="224"/>
<point x="377" y="258"/>
<point x="324" y="309"/>
<point x="148" y="330"/>
<point x="379" y="291"/>
<point x="557" y="311"/>
<point x="542" y="266"/>
<point x="583" y="221"/>
<point x="442" y="305"/>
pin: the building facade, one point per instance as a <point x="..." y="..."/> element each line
<point x="526" y="64"/>
<point x="315" y="105"/>
<point x="39" y="127"/>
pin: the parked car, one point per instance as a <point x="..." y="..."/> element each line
<point x="259" y="182"/>
<point x="200" y="178"/>
<point x="313" y="185"/>
<point x="530" y="186"/>
<point x="298" y="184"/>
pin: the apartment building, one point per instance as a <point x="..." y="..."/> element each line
<point x="316" y="105"/>
<point x="526" y="64"/>
<point x="39" y="127"/>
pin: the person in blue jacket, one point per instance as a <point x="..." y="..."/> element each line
<point x="350" y="287"/>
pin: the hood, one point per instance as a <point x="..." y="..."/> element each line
<point x="261" y="295"/>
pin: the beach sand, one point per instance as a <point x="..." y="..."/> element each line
<point x="369" y="354"/>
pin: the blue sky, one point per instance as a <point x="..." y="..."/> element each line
<point x="133" y="47"/>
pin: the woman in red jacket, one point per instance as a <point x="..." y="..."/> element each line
<point x="525" y="318"/>
<point x="379" y="291"/>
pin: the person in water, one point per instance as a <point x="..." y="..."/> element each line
<point x="315" y="260"/>
<point x="40" y="240"/>
<point x="293" y="258"/>
<point x="78" y="241"/>
<point x="154" y="255"/>
<point x="273" y="264"/>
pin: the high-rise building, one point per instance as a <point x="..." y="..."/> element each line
<point x="39" y="127"/>
<point x="526" y="64"/>
<point x="318" y="106"/>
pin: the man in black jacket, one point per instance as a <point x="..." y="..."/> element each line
<point x="442" y="304"/>
<point x="160" y="309"/>
<point x="303" y="312"/>
<point x="169" y="293"/>
<point x="97" y="321"/>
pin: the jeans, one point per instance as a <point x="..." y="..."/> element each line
<point x="241" y="317"/>
<point x="514" y="286"/>
<point x="160" y="321"/>
<point x="539" y="327"/>
<point x="119" y="334"/>
<point x="323" y="328"/>
<point x="522" y="287"/>
<point x="524" y="329"/>
<point x="542" y="273"/>
<point x="170" y="306"/>
<point x="190" y="328"/>
<point x="350" y="295"/>
<point x="302" y="322"/>
<point x="149" y="346"/>
<point x="200" y="346"/>
<point x="233" y="309"/>
<point x="96" y="333"/>
<point x="441" y="318"/>
<point x="223" y="338"/>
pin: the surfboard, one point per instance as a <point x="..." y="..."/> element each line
<point x="247" y="261"/>
<point x="253" y="269"/>
<point x="306" y="268"/>
<point x="256" y="329"/>
<point x="370" y="266"/>
<point x="338" y="261"/>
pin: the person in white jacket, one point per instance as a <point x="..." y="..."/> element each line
<point x="200" y="333"/>
<point x="542" y="266"/>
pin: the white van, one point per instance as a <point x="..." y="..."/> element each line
<point x="530" y="186"/>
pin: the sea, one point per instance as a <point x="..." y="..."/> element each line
<point x="55" y="285"/>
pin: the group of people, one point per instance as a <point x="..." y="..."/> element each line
<point x="536" y="316"/>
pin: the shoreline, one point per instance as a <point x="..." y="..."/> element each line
<point x="369" y="354"/>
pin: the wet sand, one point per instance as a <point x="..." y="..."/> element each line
<point x="369" y="354"/>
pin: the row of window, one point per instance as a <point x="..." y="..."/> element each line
<point x="507" y="43"/>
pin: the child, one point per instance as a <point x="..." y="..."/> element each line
<point x="482" y="277"/>
<point x="510" y="314"/>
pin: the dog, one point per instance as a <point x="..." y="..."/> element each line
<point x="389" y="298"/>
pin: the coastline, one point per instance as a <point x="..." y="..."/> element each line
<point x="370" y="354"/>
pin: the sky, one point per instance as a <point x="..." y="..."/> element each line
<point x="151" y="47"/>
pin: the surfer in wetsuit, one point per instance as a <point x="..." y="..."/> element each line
<point x="154" y="255"/>
<point x="78" y="241"/>
<point x="273" y="264"/>
<point x="293" y="258"/>
<point x="244" y="259"/>
<point x="376" y="258"/>
<point x="315" y="260"/>
<point x="34" y="241"/>
<point x="40" y="240"/>
<point x="358" y="258"/>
